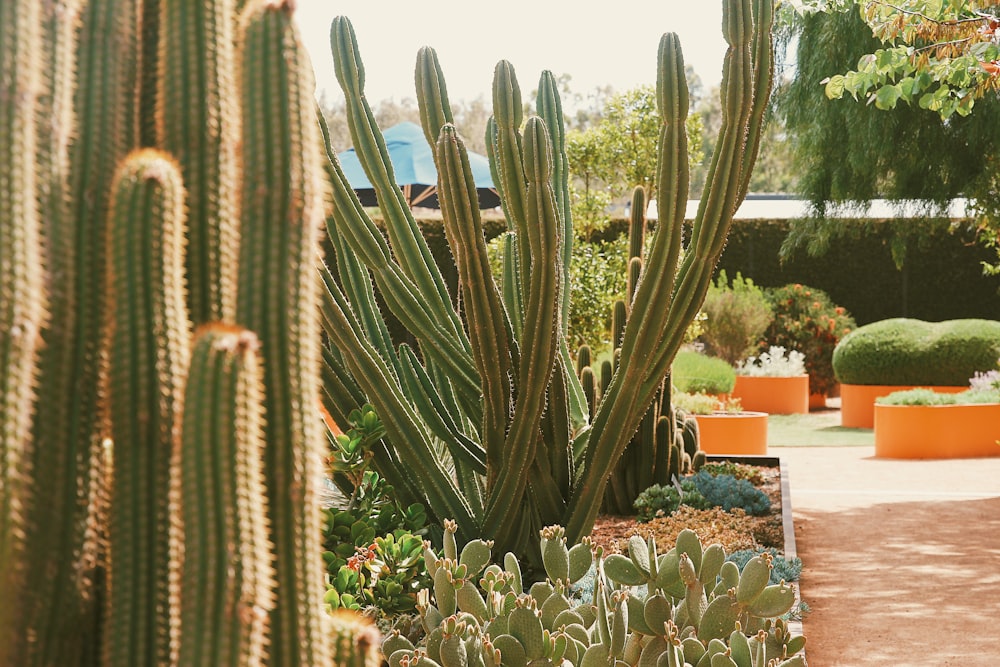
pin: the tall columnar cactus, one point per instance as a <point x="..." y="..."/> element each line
<point x="657" y="449"/>
<point x="61" y="146"/>
<point x="499" y="390"/>
<point x="89" y="123"/>
<point x="227" y="578"/>
<point x="22" y="300"/>
<point x="279" y="300"/>
<point x="197" y="118"/>
<point x="148" y="348"/>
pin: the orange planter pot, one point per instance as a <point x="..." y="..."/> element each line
<point x="937" y="431"/>
<point x="733" y="433"/>
<point x="857" y="401"/>
<point x="774" y="395"/>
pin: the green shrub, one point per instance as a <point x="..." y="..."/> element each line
<point x="663" y="500"/>
<point x="807" y="320"/>
<point x="695" y="404"/>
<point x="921" y="396"/>
<point x="903" y="351"/>
<point x="736" y="316"/>
<point x="693" y="373"/>
<point x="727" y="492"/>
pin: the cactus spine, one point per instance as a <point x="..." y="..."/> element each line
<point x="278" y="299"/>
<point x="148" y="348"/>
<point x="226" y="583"/>
<point x="22" y="299"/>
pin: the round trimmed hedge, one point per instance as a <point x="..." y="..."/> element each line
<point x="694" y="373"/>
<point x="904" y="351"/>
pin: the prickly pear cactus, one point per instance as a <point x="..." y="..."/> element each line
<point x="688" y="606"/>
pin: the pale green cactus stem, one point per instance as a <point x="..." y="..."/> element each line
<point x="491" y="340"/>
<point x="22" y="297"/>
<point x="410" y="248"/>
<point x="539" y="341"/>
<point x="661" y="309"/>
<point x="227" y="578"/>
<point x="197" y="120"/>
<point x="148" y="347"/>
<point x="279" y="300"/>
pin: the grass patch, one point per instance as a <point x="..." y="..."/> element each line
<point x="816" y="429"/>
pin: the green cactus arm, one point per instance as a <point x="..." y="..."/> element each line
<point x="227" y="578"/>
<point x="279" y="299"/>
<point x="90" y="75"/>
<point x="401" y="421"/>
<point x="467" y="455"/>
<point x="509" y="174"/>
<point x="761" y="50"/>
<point x="197" y="120"/>
<point x="340" y="391"/>
<point x="647" y="349"/>
<point x="432" y="96"/>
<point x="420" y="388"/>
<point x="558" y="430"/>
<point x="741" y="118"/>
<point x="22" y="298"/>
<point x="358" y="287"/>
<point x="724" y="177"/>
<point x="540" y="340"/>
<point x="549" y="109"/>
<point x="352" y="272"/>
<point x="148" y="347"/>
<point x="403" y="297"/>
<point x="483" y="310"/>
<point x="510" y="288"/>
<point x="409" y="245"/>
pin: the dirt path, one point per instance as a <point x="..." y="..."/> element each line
<point x="901" y="558"/>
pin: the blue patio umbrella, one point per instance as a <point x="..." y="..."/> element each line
<point x="413" y="164"/>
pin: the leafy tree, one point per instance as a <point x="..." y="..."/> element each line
<point x="941" y="55"/>
<point x="927" y="148"/>
<point x="617" y="153"/>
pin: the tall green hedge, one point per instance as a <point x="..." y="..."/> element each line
<point x="941" y="277"/>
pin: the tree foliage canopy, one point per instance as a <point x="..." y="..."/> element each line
<point x="850" y="152"/>
<point x="846" y="151"/>
<point x="942" y="55"/>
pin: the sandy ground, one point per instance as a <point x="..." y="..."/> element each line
<point x="901" y="558"/>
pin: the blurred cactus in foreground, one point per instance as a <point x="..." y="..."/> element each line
<point x="486" y="421"/>
<point x="106" y="555"/>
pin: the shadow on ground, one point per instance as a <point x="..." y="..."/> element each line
<point x="908" y="583"/>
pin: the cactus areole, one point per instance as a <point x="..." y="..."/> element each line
<point x="487" y="421"/>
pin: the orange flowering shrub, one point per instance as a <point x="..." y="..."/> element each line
<point x="807" y="320"/>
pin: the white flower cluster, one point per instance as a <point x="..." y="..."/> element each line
<point x="774" y="363"/>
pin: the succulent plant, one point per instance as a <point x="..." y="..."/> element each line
<point x="681" y="607"/>
<point x="487" y="422"/>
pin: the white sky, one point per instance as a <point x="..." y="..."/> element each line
<point x="613" y="42"/>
